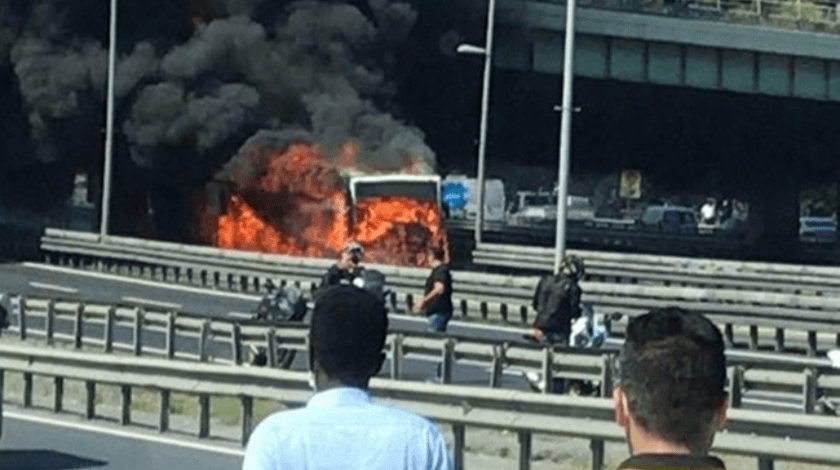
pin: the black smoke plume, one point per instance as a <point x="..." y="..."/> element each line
<point x="195" y="82"/>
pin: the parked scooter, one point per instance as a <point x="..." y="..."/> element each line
<point x="278" y="304"/>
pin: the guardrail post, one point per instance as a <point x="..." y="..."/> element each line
<point x="728" y="335"/>
<point x="138" y="331"/>
<point x="77" y="326"/>
<point x="607" y="376"/>
<point x="447" y="360"/>
<point x="271" y="347"/>
<point x="49" y="321"/>
<point x="524" y="450"/>
<point x="125" y="417"/>
<point x="203" y="415"/>
<point x="736" y="385"/>
<point x="170" y="335"/>
<point x="458" y="446"/>
<point x="547" y="369"/>
<point x="203" y="340"/>
<point x="837" y="340"/>
<point x="503" y="311"/>
<point x="409" y="302"/>
<point x="27" y="390"/>
<point x="497" y="367"/>
<point x="247" y="418"/>
<point x="109" y="329"/>
<point x="464" y="311"/>
<point x="765" y="463"/>
<point x="236" y="343"/>
<point x="483" y="308"/>
<point x="523" y="313"/>
<point x="397" y="356"/>
<point x="809" y="391"/>
<point x="753" y="337"/>
<point x="780" y="339"/>
<point x="163" y="419"/>
<point x="22" y="317"/>
<point x="90" y="399"/>
<point x="812" y="343"/>
<point x="58" y="397"/>
<point x="597" y="447"/>
<point x="2" y="386"/>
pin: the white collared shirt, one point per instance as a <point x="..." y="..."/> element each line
<point x="342" y="428"/>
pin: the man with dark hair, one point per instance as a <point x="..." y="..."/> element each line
<point x="670" y="398"/>
<point x="342" y="427"/>
<point x="437" y="299"/>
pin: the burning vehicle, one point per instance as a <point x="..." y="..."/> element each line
<point x="296" y="201"/>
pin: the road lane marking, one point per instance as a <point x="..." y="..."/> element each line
<point x="156" y="303"/>
<point x="168" y="440"/>
<point x="141" y="282"/>
<point x="41" y="285"/>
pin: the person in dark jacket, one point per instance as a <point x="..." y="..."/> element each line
<point x="557" y="302"/>
<point x="347" y="269"/>
<point x="437" y="299"/>
<point x="670" y="397"/>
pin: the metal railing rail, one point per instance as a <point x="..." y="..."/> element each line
<point x="492" y="296"/>
<point x="766" y="436"/>
<point x="789" y="376"/>
<point x="241" y="336"/>
<point x="670" y="270"/>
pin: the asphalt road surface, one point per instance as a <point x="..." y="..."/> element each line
<point x="49" y="443"/>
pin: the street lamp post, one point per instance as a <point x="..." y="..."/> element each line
<point x="109" y="124"/>
<point x="565" y="136"/>
<point x="487" y="52"/>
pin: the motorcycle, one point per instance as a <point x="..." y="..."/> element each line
<point x="278" y="304"/>
<point x="588" y="331"/>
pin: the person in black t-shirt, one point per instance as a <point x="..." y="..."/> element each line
<point x="437" y="299"/>
<point x="670" y="396"/>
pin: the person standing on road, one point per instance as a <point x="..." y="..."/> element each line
<point x="670" y="397"/>
<point x="342" y="427"/>
<point x="557" y="302"/>
<point x="348" y="267"/>
<point x="437" y="299"/>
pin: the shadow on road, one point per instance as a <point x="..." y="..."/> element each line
<point x="43" y="460"/>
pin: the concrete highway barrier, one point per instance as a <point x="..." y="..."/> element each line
<point x="765" y="436"/>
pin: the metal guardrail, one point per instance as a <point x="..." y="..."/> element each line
<point x="802" y="382"/>
<point x="766" y="436"/>
<point x="566" y="363"/>
<point x="476" y="295"/>
<point x="670" y="270"/>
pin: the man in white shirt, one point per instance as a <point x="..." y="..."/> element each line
<point x="342" y="427"/>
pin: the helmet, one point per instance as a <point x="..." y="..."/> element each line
<point x="575" y="266"/>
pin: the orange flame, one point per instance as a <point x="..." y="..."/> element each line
<point x="298" y="205"/>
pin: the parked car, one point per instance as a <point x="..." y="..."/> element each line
<point x="669" y="219"/>
<point x="818" y="229"/>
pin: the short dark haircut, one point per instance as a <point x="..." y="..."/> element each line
<point x="673" y="370"/>
<point x="439" y="253"/>
<point x="347" y="333"/>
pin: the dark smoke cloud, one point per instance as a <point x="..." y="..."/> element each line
<point x="197" y="82"/>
